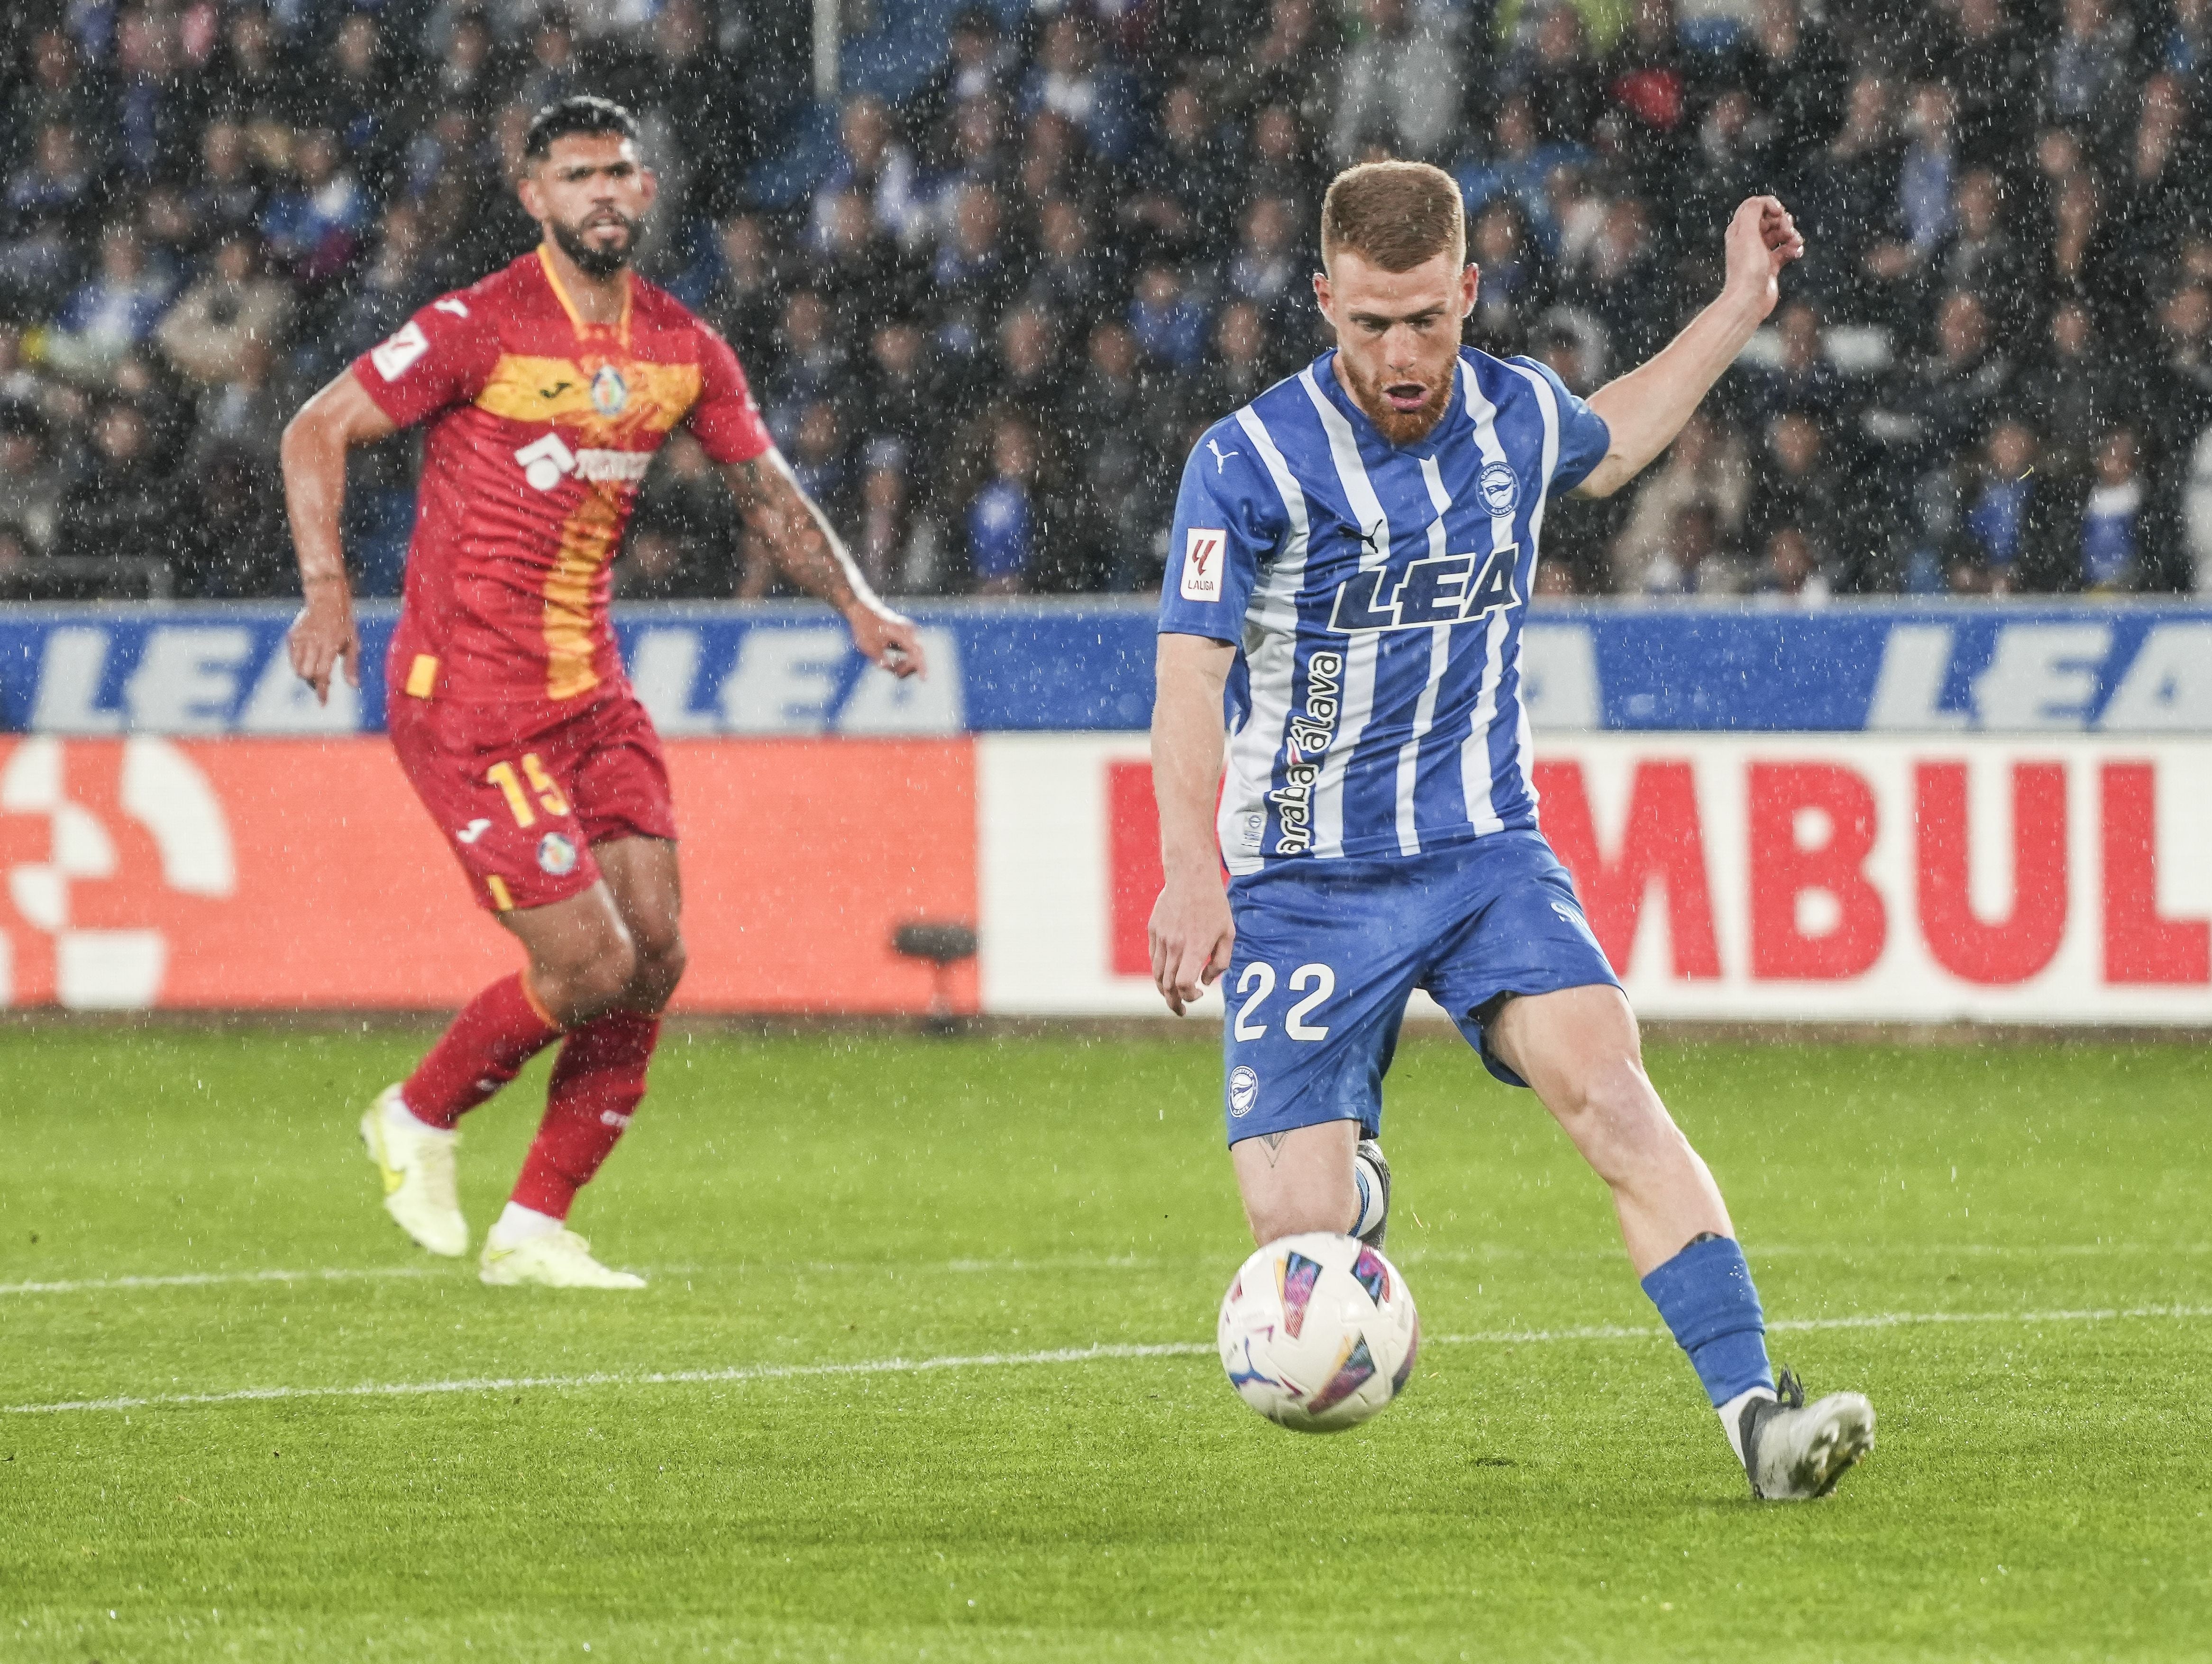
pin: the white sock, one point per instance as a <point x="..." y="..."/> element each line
<point x="1369" y="1184"/>
<point x="400" y="1104"/>
<point x="1731" y="1414"/>
<point x="518" y="1223"/>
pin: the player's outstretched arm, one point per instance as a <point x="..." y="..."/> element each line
<point x="799" y="541"/>
<point x="313" y="457"/>
<point x="1646" y="408"/>
<point x="1191" y="930"/>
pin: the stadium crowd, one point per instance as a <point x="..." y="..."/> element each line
<point x="987" y="318"/>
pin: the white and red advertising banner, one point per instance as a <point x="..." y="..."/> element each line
<point x="2038" y="879"/>
<point x="1795" y="877"/>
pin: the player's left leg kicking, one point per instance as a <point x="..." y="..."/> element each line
<point x="1304" y="1102"/>
<point x="571" y="844"/>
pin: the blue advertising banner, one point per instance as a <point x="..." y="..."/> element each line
<point x="1060" y="666"/>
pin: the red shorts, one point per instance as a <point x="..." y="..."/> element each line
<point x="522" y="793"/>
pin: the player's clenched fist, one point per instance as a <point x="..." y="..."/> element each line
<point x="1762" y="238"/>
<point x="1191" y="935"/>
<point x="889" y="639"/>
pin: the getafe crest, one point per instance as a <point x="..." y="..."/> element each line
<point x="610" y="393"/>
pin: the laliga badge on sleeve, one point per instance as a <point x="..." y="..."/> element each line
<point x="1201" y="564"/>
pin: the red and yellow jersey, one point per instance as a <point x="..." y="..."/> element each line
<point x="541" y="426"/>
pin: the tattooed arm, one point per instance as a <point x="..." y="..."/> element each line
<point x="799" y="539"/>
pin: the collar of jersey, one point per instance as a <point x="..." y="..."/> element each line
<point x="1324" y="375"/>
<point x="582" y="326"/>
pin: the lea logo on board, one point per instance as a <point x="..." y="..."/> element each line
<point x="1201" y="564"/>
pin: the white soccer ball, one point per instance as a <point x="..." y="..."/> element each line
<point x="1318" y="1332"/>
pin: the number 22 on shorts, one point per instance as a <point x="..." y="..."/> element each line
<point x="502" y="775"/>
<point x="1258" y="982"/>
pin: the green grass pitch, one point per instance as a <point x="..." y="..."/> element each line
<point x="2034" y="1219"/>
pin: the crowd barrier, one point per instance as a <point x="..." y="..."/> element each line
<point x="1087" y="666"/>
<point x="2048" y="878"/>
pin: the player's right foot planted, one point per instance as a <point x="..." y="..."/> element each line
<point x="552" y="1259"/>
<point x="417" y="1166"/>
<point x="1371" y="1175"/>
<point x="1794" y="1451"/>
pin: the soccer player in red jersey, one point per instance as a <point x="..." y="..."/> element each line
<point x="545" y="390"/>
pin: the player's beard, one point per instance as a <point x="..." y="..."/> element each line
<point x="594" y="259"/>
<point x="1399" y="427"/>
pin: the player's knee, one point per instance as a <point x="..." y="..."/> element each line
<point x="662" y="959"/>
<point x="593" y="980"/>
<point x="1616" y="1120"/>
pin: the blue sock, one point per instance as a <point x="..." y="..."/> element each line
<point x="1705" y="1294"/>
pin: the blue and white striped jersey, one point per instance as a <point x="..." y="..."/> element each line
<point x="1376" y="593"/>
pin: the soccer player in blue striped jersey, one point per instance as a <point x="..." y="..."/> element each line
<point x="1352" y="556"/>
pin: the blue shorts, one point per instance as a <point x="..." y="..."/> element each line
<point x="1328" y="951"/>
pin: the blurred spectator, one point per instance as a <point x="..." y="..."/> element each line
<point x="1692" y="558"/>
<point x="314" y="224"/>
<point x="1792" y="571"/>
<point x="871" y="162"/>
<point x="1705" y="467"/>
<point x="50" y="201"/>
<point x="113" y="314"/>
<point x="1070" y="82"/>
<point x="125" y="504"/>
<point x="2067" y="390"/>
<point x="1168" y="324"/>
<point x="31" y="482"/>
<point x="1803" y="380"/>
<point x="1002" y="521"/>
<point x="2083" y="81"/>
<point x="1400" y="93"/>
<point x="879" y="544"/>
<point x="243" y="414"/>
<point x="686" y="535"/>
<point x="206" y="334"/>
<point x="2112" y="530"/>
<point x="1845" y="193"/>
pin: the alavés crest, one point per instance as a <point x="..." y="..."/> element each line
<point x="1443" y="589"/>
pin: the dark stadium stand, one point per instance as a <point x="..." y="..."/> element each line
<point x="988" y="298"/>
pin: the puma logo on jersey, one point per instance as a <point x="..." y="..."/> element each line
<point x="1445" y="589"/>
<point x="473" y="830"/>
<point x="1220" y="457"/>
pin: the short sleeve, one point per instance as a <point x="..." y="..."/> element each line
<point x="1583" y="437"/>
<point x="443" y="356"/>
<point x="725" y="421"/>
<point x="1229" y="520"/>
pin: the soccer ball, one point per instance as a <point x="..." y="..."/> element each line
<point x="1318" y="1332"/>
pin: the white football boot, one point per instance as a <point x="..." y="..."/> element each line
<point x="417" y="1166"/>
<point x="552" y="1259"/>
<point x="1794" y="1451"/>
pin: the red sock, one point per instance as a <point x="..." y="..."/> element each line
<point x="597" y="1081"/>
<point x="496" y="1033"/>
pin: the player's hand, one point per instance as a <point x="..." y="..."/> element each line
<point x="1762" y="238"/>
<point x="323" y="637"/>
<point x="887" y="639"/>
<point x="1191" y="934"/>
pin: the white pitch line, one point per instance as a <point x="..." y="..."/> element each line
<point x="197" y="1279"/>
<point x="1477" y="1255"/>
<point x="748" y="1372"/>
